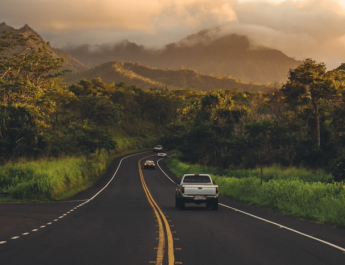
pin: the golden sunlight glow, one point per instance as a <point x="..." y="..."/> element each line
<point x="299" y="28"/>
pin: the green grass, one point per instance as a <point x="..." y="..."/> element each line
<point x="63" y="178"/>
<point x="276" y="172"/>
<point x="290" y="191"/>
<point x="48" y="180"/>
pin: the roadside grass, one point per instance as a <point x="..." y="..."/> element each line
<point x="277" y="172"/>
<point x="291" y="191"/>
<point x="60" y="179"/>
<point x="70" y="192"/>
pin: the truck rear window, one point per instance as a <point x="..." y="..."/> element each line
<point x="204" y="179"/>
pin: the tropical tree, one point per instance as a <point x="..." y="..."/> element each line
<point x="308" y="88"/>
<point x="268" y="141"/>
<point x="27" y="69"/>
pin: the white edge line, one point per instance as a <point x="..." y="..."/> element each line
<point x="265" y="220"/>
<point x="282" y="226"/>
<point x="94" y="196"/>
<point x="164" y="172"/>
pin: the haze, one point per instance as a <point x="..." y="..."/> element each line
<point x="301" y="28"/>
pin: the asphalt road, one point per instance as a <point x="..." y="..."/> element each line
<point x="118" y="226"/>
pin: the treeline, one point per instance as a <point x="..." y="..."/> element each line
<point x="301" y="124"/>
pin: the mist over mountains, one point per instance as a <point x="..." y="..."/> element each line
<point x="202" y="61"/>
<point x="230" y="55"/>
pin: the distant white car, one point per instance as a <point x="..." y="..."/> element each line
<point x="158" y="148"/>
<point x="163" y="155"/>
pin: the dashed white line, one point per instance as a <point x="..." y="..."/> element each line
<point x="15" y="237"/>
<point x="268" y="221"/>
<point x="34" y="230"/>
<point x="24" y="234"/>
<point x="49" y="223"/>
<point x="55" y="220"/>
<point x="42" y="226"/>
<point x="2" y="242"/>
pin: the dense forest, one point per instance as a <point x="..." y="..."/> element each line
<point x="300" y="124"/>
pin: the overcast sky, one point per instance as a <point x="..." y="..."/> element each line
<point x="299" y="28"/>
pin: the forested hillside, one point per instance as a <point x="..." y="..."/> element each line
<point x="42" y="117"/>
<point x="146" y="78"/>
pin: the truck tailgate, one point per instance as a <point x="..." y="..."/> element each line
<point x="199" y="190"/>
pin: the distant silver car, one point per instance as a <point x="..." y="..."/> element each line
<point x="163" y="155"/>
<point x="158" y="148"/>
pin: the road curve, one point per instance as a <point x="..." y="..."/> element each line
<point x="118" y="226"/>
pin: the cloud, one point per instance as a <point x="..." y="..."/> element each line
<point x="309" y="28"/>
<point x="82" y="14"/>
<point x="299" y="28"/>
<point x="140" y="15"/>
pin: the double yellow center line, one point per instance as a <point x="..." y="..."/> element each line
<point x="161" y="219"/>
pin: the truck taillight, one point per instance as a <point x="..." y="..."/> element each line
<point x="217" y="190"/>
<point x="182" y="189"/>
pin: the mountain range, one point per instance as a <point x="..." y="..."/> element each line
<point x="147" y="77"/>
<point x="197" y="62"/>
<point x="231" y="55"/>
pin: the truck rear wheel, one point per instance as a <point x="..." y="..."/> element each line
<point x="215" y="205"/>
<point x="181" y="204"/>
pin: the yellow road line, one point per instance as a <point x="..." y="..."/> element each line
<point x="160" y="217"/>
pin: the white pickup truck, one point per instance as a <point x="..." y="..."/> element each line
<point x="196" y="188"/>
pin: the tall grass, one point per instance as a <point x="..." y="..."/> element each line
<point x="63" y="178"/>
<point x="47" y="180"/>
<point x="291" y="191"/>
